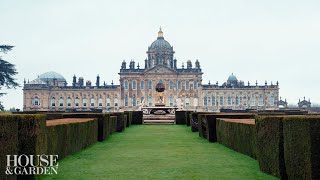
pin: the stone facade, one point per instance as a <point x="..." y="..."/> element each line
<point x="49" y="92"/>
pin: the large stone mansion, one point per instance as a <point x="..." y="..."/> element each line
<point x="51" y="92"/>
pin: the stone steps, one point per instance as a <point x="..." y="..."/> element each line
<point x="159" y="119"/>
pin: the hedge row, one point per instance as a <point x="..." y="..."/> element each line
<point x="237" y="136"/>
<point x="121" y="121"/>
<point x="137" y="117"/>
<point x="270" y="145"/>
<point x="207" y="123"/>
<point x="105" y="126"/>
<point x="302" y="147"/>
<point x="66" y="139"/>
<point x="21" y="134"/>
<point x="129" y="117"/>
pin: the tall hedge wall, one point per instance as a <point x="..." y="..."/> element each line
<point x="129" y="117"/>
<point x="103" y="122"/>
<point x="194" y="121"/>
<point x="27" y="136"/>
<point x="302" y="147"/>
<point x="66" y="139"/>
<point x="188" y="117"/>
<point x="137" y="117"/>
<point x="121" y="121"/>
<point x="8" y="140"/>
<point x="237" y="136"/>
<point x="270" y="145"/>
<point x="180" y="117"/>
<point x="113" y="123"/>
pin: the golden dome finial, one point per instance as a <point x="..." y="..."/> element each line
<point x="160" y="33"/>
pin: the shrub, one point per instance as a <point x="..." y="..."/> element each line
<point x="121" y="121"/>
<point x="180" y="117"/>
<point x="129" y="118"/>
<point x="103" y="126"/>
<point x="8" y="140"/>
<point x="270" y="145"/>
<point x="188" y="117"/>
<point x="237" y="135"/>
<point x="194" y="121"/>
<point x="67" y="138"/>
<point x="113" y="121"/>
<point x="137" y="117"/>
<point x="302" y="146"/>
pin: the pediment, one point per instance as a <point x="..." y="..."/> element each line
<point x="160" y="69"/>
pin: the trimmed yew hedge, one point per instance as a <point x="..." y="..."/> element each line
<point x="104" y="126"/>
<point x="238" y="136"/>
<point x="180" y="117"/>
<point x="66" y="139"/>
<point x="21" y="134"/>
<point x="270" y="145"/>
<point x="188" y="117"/>
<point x="121" y="121"/>
<point x="113" y="123"/>
<point x="9" y="141"/>
<point x="302" y="146"/>
<point x="194" y="121"/>
<point x="137" y="117"/>
<point x="129" y="117"/>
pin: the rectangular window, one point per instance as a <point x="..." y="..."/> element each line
<point x="179" y="85"/>
<point x="142" y="85"/>
<point x="213" y="101"/>
<point x="150" y="85"/>
<point x="195" y="84"/>
<point x="171" y="85"/>
<point x="134" y="85"/>
<point x="187" y="85"/>
<point x="221" y="101"/>
<point x="252" y="100"/>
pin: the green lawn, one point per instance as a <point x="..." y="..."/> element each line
<point x="158" y="152"/>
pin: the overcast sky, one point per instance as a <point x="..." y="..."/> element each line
<point x="256" y="40"/>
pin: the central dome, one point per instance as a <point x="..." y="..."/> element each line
<point x="160" y="43"/>
<point x="49" y="76"/>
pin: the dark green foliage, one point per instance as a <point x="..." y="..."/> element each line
<point x="237" y="136"/>
<point x="28" y="136"/>
<point x="194" y="121"/>
<point x="8" y="141"/>
<point x="188" y="117"/>
<point x="103" y="125"/>
<point x="137" y="117"/>
<point x="180" y="117"/>
<point x="129" y="117"/>
<point x="50" y="116"/>
<point x="121" y="121"/>
<point x="113" y="121"/>
<point x="270" y="145"/>
<point x="66" y="139"/>
<point x="302" y="146"/>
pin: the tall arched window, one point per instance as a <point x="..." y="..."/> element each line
<point x="134" y="85"/>
<point x="237" y="101"/>
<point x="221" y="100"/>
<point x="61" y="102"/>
<point x="116" y="102"/>
<point x="69" y="102"/>
<point x="108" y="104"/>
<point x="53" y="102"/>
<point x="35" y="101"/>
<point x="244" y="100"/>
<point x="271" y="100"/>
<point x="179" y="85"/>
<point x="126" y="85"/>
<point x="187" y="85"/>
<point x="149" y="101"/>
<point x="134" y="101"/>
<point x="171" y="101"/>
<point x="76" y="101"/>
<point x="252" y="100"/>
<point x="195" y="84"/>
<point x="126" y="100"/>
<point x="92" y="102"/>
<point x="213" y="102"/>
<point x="171" y="85"/>
<point x="142" y="85"/>
<point x="260" y="100"/>
<point x="84" y="101"/>
<point x="149" y="85"/>
<point x="205" y="101"/>
<point x="229" y="101"/>
<point x="100" y="102"/>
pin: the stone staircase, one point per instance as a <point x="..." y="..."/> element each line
<point x="159" y="119"/>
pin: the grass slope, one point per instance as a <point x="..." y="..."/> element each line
<point x="158" y="152"/>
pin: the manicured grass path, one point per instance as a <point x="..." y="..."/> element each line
<point x="158" y="152"/>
